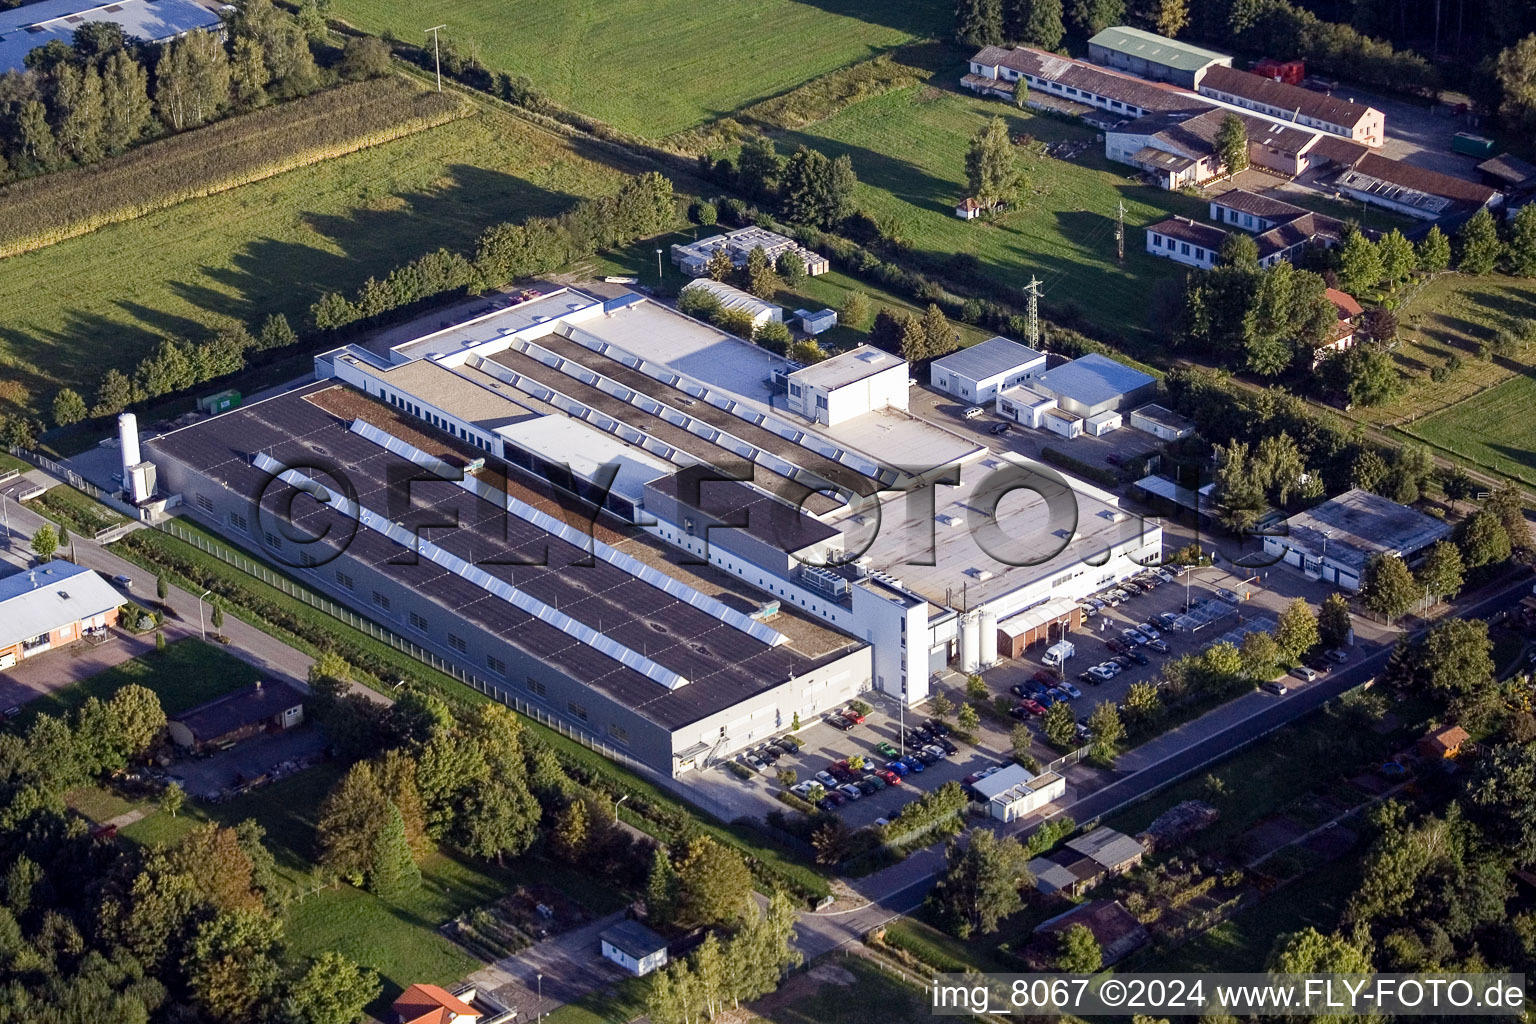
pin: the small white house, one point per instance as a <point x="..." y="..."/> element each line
<point x="1103" y="423"/>
<point x="735" y="299"/>
<point x="1059" y="421"/>
<point x="1163" y="424"/>
<point x="1016" y="791"/>
<point x="1024" y="405"/>
<point x="849" y="384"/>
<point x="978" y="373"/>
<point x="634" y="947"/>
<point x="815" y="323"/>
<point x="968" y="209"/>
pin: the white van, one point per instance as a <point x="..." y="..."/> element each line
<point x="973" y="412"/>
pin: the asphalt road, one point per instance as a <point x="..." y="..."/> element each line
<point x="900" y="889"/>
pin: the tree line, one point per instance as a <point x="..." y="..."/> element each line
<point x="104" y="92"/>
<point x="94" y="928"/>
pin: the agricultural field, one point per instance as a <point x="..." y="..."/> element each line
<point x="654" y="67"/>
<point x="1493" y="429"/>
<point x="1062" y="231"/>
<point x="83" y="306"/>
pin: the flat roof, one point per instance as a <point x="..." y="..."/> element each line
<point x="58" y="593"/>
<point x="1185" y="497"/>
<point x="1027" y="396"/>
<point x="560" y="439"/>
<point x="1163" y="417"/>
<point x="492" y="323"/>
<point x="1150" y="46"/>
<point x="23" y="29"/>
<point x="771" y="521"/>
<point x="255" y="703"/>
<point x="1093" y="378"/>
<point x="989" y="358"/>
<point x="723" y="664"/>
<point x="847" y="368"/>
<point x="1358" y="525"/>
<point x="896" y="438"/>
<point x="1002" y="781"/>
<point x="454" y="393"/>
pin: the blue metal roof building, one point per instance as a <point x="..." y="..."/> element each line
<point x="23" y="29"/>
<point x="1096" y="384"/>
<point x="979" y="372"/>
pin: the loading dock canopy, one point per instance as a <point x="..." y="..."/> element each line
<point x="1035" y="618"/>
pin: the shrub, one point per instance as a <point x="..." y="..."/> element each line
<point x="1098" y="474"/>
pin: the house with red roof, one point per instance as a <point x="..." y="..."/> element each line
<point x="429" y="1004"/>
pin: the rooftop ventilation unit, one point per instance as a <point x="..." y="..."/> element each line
<point x="824" y="581"/>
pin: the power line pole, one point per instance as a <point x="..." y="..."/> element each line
<point x="1033" y="291"/>
<point x="1120" y="232"/>
<point x="436" y="55"/>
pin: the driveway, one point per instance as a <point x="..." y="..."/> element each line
<point x="206" y="778"/>
<point x="570" y="964"/>
<point x="58" y="668"/>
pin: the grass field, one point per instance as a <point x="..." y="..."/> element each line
<point x="1494" y="429"/>
<point x="184" y="675"/>
<point x="844" y="990"/>
<point x="80" y="307"/>
<point x="1063" y="230"/>
<point x="654" y="67"/>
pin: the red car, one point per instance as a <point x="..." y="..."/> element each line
<point x="852" y="716"/>
<point x="890" y="778"/>
<point x="1032" y="706"/>
<point x="1047" y="678"/>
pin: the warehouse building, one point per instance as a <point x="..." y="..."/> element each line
<point x="737" y="301"/>
<point x="654" y="549"/>
<point x="25" y="28"/>
<point x="976" y="374"/>
<point x="1095" y="385"/>
<point x="1336" y="540"/>
<point x="1363" y="124"/>
<point x="996" y="70"/>
<point x="50" y="606"/>
<point x="849" y="384"/>
<point x="1151" y="56"/>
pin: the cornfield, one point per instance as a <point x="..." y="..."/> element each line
<point x="41" y="211"/>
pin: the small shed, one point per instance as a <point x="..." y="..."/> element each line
<point x="968" y="209"/>
<point x="1115" y="928"/>
<point x="1103" y="423"/>
<point x="1444" y="744"/>
<point x="258" y="708"/>
<point x="1162" y="423"/>
<point x="634" y="947"/>
<point x="815" y="323"/>
<point x="1044" y="623"/>
<point x="1016" y="791"/>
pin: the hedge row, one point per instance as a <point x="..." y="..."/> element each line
<point x="1098" y="474"/>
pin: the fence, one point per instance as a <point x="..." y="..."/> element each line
<point x="62" y="472"/>
<point x="340" y="612"/>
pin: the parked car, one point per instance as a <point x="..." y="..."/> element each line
<point x="885" y="750"/>
<point x="974" y="412"/>
<point x="936" y="751"/>
<point x="1149" y="631"/>
<point x="832" y="801"/>
<point x="1045" y="678"/>
<point x="1114" y="668"/>
<point x="898" y="766"/>
<point x="1087" y="676"/>
<point x="928" y="755"/>
<point x="769" y="753"/>
<point x="1117" y="645"/>
<point x="1071" y="690"/>
<point x="1278" y="689"/>
<point x="826" y="779"/>
<point x="754" y="762"/>
<point x="945" y="745"/>
<point x="914" y="764"/>
<point x="840" y="773"/>
<point x="1166" y="576"/>
<point x="1177" y="570"/>
<point x="1102" y="674"/>
<point x="937" y="727"/>
<point x="1150" y="579"/>
<point x="1083" y="732"/>
<point x="851" y="791"/>
<point x="1304" y="673"/>
<point x="785" y="745"/>
<point x="1167" y="619"/>
<point x="869" y="785"/>
<point x="1001" y="428"/>
<point x="1160" y="646"/>
<point x="853" y="715"/>
<point x="1138" y="657"/>
<point x="1132" y="637"/>
<point x="1020" y="690"/>
<point x="802" y="788"/>
<point x="839" y="722"/>
<point x="1044" y="698"/>
<point x="1228" y="596"/>
<point x="889" y="777"/>
<point x="123" y="581"/>
<point x="1322" y="666"/>
<point x="1033" y="707"/>
<point x="1337" y="656"/>
<point x="1123" y="662"/>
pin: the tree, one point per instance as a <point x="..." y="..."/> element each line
<point x="714" y="884"/>
<point x="704" y="213"/>
<point x="938" y="336"/>
<point x="351" y="820"/>
<point x="38" y="148"/>
<point x="1171" y="17"/>
<point x="914" y="342"/>
<point x="1059" y="724"/>
<point x="1507" y="504"/>
<point x="172" y="798"/>
<point x="139" y="717"/>
<point x="967" y="719"/>
<point x="1434" y="251"/>
<point x="45" y="541"/>
<point x="759" y="167"/>
<point x="1021" y="740"/>
<point x="1515" y="70"/>
<point x="232" y="966"/>
<point x="1456" y="658"/>
<point x="979" y="22"/>
<point x="332" y="990"/>
<point x="192" y="81"/>
<point x="805" y="352"/>
<point x="1360" y="263"/>
<point x="396" y="776"/>
<point x="1333" y="621"/>
<point x="1239" y="250"/>
<point x="855" y="311"/>
<point x="68" y="407"/>
<point x="661" y="889"/>
<point x="991" y="172"/>
<point x="365" y="57"/>
<point x="1443" y="571"/>
<point x="818" y="191"/>
<point x="981" y="882"/>
<point x="1483" y="539"/>
<point x="1397" y="256"/>
<point x="1033" y="23"/>
<point x="392" y="871"/>
<point x="569" y="836"/>
<point x="1232" y="144"/>
<point x="216" y="617"/>
<point x="1502" y="792"/>
<point x="1387" y="587"/>
<point x="1078" y="951"/>
<point x="78" y="111"/>
<point x="1090" y="17"/>
<point x="1378" y="325"/>
<point x="1107" y="729"/>
<point x="1366" y="374"/>
<point x="1261" y="654"/>
<point x="1142" y="702"/>
<point x="1478" y="248"/>
<point x="1521" y="251"/>
<point x="941" y="706"/>
<point x="1239" y="493"/>
<point x="248" y="75"/>
<point x="126" y="109"/>
<point x="791" y="268"/>
<point x="1297" y="629"/>
<point x="831" y="841"/>
<point x="162" y="586"/>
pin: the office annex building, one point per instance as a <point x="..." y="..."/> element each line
<point x="749" y="564"/>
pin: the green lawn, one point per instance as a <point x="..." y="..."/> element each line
<point x="1493" y="429"/>
<point x="654" y="67"/>
<point x="79" y="512"/>
<point x="184" y="675"/>
<point x="908" y="148"/>
<point x="870" y="996"/>
<point x="78" y="308"/>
